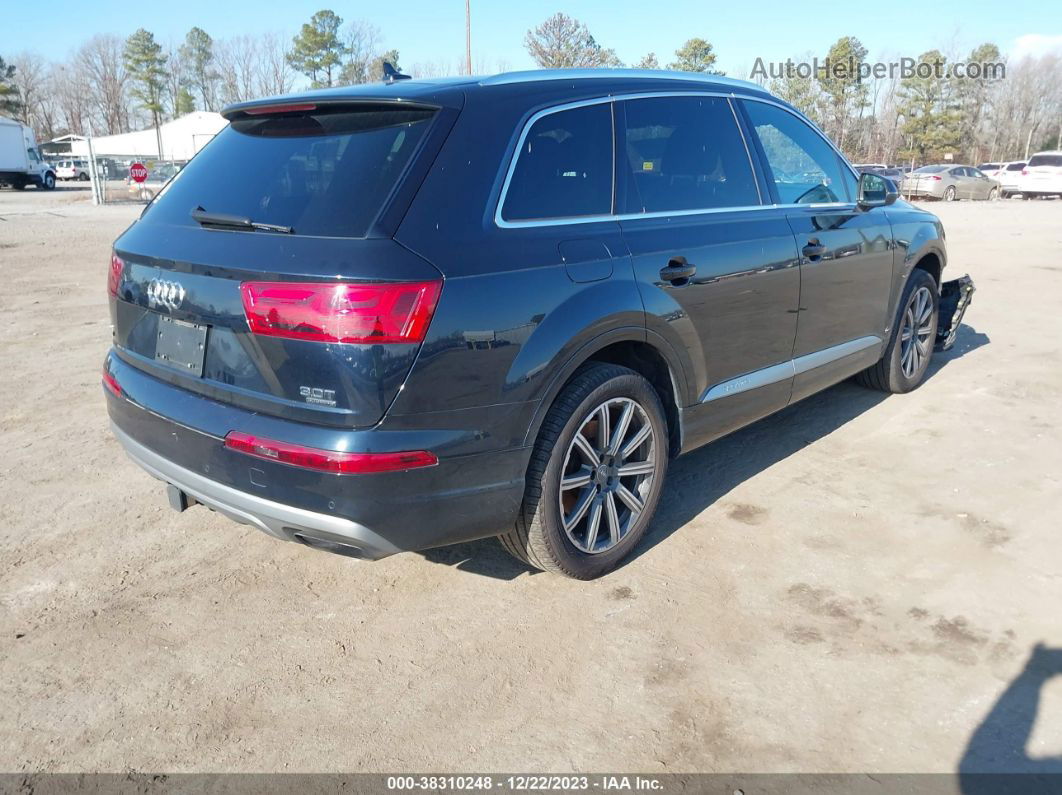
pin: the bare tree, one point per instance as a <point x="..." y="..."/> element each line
<point x="237" y="61"/>
<point x="362" y="42"/>
<point x="562" y="42"/>
<point x="101" y="62"/>
<point x="275" y="75"/>
<point x="31" y="80"/>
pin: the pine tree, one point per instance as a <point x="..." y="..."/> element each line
<point x="696" y="55"/>
<point x="9" y="100"/>
<point x="318" y="51"/>
<point x="146" y="65"/>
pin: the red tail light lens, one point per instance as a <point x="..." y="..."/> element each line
<point x="111" y="383"/>
<point x="1025" y="172"/>
<point x="363" y="313"/>
<point x="328" y="460"/>
<point x="935" y="178"/>
<point x="114" y="276"/>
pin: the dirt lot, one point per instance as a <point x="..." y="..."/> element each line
<point x="850" y="585"/>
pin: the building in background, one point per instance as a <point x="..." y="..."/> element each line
<point x="179" y="139"/>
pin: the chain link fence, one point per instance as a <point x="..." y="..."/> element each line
<point x="114" y="177"/>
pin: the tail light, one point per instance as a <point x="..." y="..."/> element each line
<point x="1025" y="172"/>
<point x="114" y="276"/>
<point x="327" y="460"/>
<point x="111" y="382"/>
<point x="935" y="178"/>
<point x="343" y="312"/>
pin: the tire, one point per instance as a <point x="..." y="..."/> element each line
<point x="893" y="372"/>
<point x="48" y="181"/>
<point x="540" y="537"/>
<point x="949" y="193"/>
<point x="84" y="177"/>
<point x="993" y="195"/>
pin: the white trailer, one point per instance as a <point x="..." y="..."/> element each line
<point x="21" y="163"/>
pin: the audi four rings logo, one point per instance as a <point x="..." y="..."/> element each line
<point x="167" y="294"/>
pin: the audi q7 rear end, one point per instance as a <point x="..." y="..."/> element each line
<point x="393" y="317"/>
<point x="265" y="321"/>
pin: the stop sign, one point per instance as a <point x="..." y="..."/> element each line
<point x="138" y="172"/>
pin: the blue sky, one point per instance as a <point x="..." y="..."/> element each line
<point x="433" y="30"/>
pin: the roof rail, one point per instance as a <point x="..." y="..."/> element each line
<point x="535" y="75"/>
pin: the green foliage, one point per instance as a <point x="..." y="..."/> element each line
<point x="696" y="55"/>
<point x="932" y="119"/>
<point x="185" y="102"/>
<point x="198" y="53"/>
<point x="803" y="93"/>
<point x="146" y="65"/>
<point x="10" y="105"/>
<point x="562" y="42"/>
<point x="374" y="70"/>
<point x="648" y="62"/>
<point x="318" y="51"/>
<point x="844" y="91"/>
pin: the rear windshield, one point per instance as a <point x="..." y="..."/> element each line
<point x="930" y="169"/>
<point x="1015" y="167"/>
<point x="326" y="172"/>
<point x="1045" y="160"/>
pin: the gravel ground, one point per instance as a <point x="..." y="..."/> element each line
<point x="850" y="585"/>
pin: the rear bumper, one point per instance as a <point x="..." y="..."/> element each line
<point x="178" y="437"/>
<point x="285" y="522"/>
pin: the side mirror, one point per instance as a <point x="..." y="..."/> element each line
<point x="876" y="191"/>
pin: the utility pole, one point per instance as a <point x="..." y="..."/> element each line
<point x="468" y="38"/>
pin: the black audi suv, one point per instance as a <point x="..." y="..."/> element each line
<point x="392" y="317"/>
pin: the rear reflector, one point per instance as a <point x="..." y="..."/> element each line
<point x="114" y="276"/>
<point x="344" y="312"/>
<point x="111" y="383"/>
<point x="327" y="460"/>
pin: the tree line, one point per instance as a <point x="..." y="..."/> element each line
<point x="111" y="85"/>
<point x="1004" y="113"/>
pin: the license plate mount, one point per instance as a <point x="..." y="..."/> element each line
<point x="181" y="345"/>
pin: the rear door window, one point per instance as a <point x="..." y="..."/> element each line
<point x="1045" y="160"/>
<point x="685" y="153"/>
<point x="805" y="169"/>
<point x="322" y="172"/>
<point x="564" y="167"/>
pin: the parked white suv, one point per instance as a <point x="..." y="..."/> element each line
<point x="73" y="169"/>
<point x="1042" y="175"/>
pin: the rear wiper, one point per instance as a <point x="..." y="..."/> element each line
<point x="227" y="221"/>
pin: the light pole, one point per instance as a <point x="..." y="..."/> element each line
<point x="468" y="38"/>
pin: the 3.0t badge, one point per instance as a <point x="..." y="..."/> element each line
<point x="165" y="294"/>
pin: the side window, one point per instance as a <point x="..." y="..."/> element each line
<point x="805" y="169"/>
<point x="564" y="167"/>
<point x="685" y="153"/>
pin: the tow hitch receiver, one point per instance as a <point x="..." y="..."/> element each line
<point x="955" y="297"/>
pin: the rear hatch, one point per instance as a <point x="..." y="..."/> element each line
<point x="260" y="275"/>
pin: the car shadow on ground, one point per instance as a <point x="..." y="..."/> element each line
<point x="700" y="478"/>
<point x="997" y="749"/>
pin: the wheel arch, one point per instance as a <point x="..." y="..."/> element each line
<point x="646" y="353"/>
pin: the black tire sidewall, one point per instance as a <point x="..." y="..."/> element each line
<point x="572" y="560"/>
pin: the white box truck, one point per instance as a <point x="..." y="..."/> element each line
<point x="20" y="162"/>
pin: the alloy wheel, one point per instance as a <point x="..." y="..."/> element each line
<point x="608" y="475"/>
<point x="916" y="332"/>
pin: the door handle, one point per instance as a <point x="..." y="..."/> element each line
<point x="813" y="251"/>
<point x="677" y="270"/>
